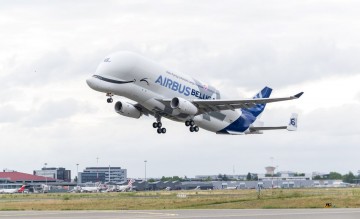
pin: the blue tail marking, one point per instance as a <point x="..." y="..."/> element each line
<point x="248" y="116"/>
<point x="259" y="108"/>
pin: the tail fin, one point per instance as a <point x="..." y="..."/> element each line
<point x="293" y="122"/>
<point x="131" y="181"/>
<point x="259" y="108"/>
<point x="21" y="189"/>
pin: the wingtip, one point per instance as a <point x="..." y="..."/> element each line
<point x="299" y="95"/>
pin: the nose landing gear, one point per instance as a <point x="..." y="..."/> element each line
<point x="193" y="127"/>
<point x="110" y="99"/>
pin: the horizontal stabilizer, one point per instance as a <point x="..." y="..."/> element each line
<point x="291" y="127"/>
<point x="267" y="128"/>
<point x="293" y="122"/>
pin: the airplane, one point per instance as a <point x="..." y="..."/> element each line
<point x="88" y="188"/>
<point x="12" y="191"/>
<point x="231" y="188"/>
<point x="127" y="187"/>
<point x="161" y="92"/>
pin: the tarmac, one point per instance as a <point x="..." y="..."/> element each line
<point x="329" y="213"/>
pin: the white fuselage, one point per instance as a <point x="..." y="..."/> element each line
<point x="8" y="191"/>
<point x="145" y="82"/>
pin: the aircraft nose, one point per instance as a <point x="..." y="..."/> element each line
<point x="90" y="82"/>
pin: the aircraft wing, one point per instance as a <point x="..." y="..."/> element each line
<point x="217" y="105"/>
<point x="205" y="106"/>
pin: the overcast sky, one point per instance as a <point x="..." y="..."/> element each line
<point x="49" y="115"/>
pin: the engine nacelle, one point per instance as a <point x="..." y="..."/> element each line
<point x="127" y="109"/>
<point x="184" y="106"/>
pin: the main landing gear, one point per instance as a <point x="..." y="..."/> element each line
<point x="193" y="127"/>
<point x="110" y="99"/>
<point x="158" y="126"/>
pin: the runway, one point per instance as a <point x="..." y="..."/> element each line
<point x="185" y="214"/>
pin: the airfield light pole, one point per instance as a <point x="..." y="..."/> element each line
<point x="45" y="173"/>
<point x="109" y="173"/>
<point x="45" y="178"/>
<point x="77" y="174"/>
<point x="97" y="169"/>
<point x="145" y="161"/>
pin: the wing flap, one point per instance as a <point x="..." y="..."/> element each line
<point x="143" y="110"/>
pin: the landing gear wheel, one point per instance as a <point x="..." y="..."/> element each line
<point x="192" y="123"/>
<point x="109" y="100"/>
<point x="159" y="130"/>
<point x="159" y="124"/>
<point x="187" y="123"/>
<point x="163" y="130"/>
<point x="191" y="129"/>
<point x="196" y="128"/>
<point x="155" y="125"/>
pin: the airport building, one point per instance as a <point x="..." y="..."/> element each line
<point x="56" y="173"/>
<point x="103" y="174"/>
<point x="18" y="177"/>
<point x="283" y="176"/>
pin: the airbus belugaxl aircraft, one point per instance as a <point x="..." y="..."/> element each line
<point x="161" y="92"/>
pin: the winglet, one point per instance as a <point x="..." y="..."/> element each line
<point x="299" y="95"/>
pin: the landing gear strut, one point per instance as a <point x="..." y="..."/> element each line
<point x="110" y="99"/>
<point x="158" y="126"/>
<point x="193" y="127"/>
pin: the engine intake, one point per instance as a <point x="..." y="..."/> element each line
<point x="127" y="109"/>
<point x="184" y="106"/>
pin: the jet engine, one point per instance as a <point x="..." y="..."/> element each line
<point x="127" y="109"/>
<point x="184" y="106"/>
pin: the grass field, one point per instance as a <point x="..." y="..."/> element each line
<point x="215" y="199"/>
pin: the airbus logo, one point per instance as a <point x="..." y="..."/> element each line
<point x="176" y="86"/>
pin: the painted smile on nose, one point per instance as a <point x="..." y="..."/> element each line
<point x="112" y="80"/>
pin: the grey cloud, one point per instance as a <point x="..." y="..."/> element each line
<point x="8" y="114"/>
<point x="337" y="121"/>
<point x="263" y="63"/>
<point x="52" y="111"/>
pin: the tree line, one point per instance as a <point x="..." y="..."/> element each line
<point x="347" y="178"/>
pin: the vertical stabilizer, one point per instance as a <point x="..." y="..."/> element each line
<point x="259" y="108"/>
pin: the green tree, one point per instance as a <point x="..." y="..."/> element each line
<point x="176" y="178"/>
<point x="335" y="175"/>
<point x="349" y="178"/>
<point x="163" y="178"/>
<point x="248" y="177"/>
<point x="151" y="180"/>
<point x="317" y="177"/>
<point x="219" y="176"/>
